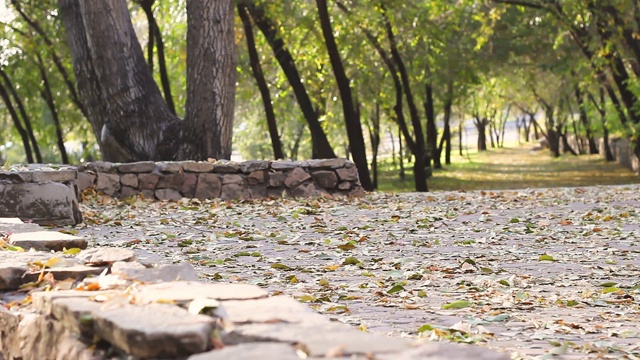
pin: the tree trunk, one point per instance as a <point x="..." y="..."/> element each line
<point x="155" y="38"/>
<point x="351" y="117"/>
<point x="254" y="59"/>
<point x="481" y="126"/>
<point x="374" y="138"/>
<point x="320" y="144"/>
<point x="584" y="119"/>
<point x="446" y="133"/>
<point x="211" y="79"/>
<point x="126" y="110"/>
<point x="16" y="122"/>
<point x="432" y="131"/>
<point x="400" y="155"/>
<point x="47" y="95"/>
<point x="460" y="128"/>
<point x="24" y="115"/>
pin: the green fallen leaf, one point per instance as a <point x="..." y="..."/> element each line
<point x="307" y="298"/>
<point x="504" y="282"/>
<point x="425" y="327"/>
<point x="608" y="284"/>
<point x="545" y="257"/>
<point x="461" y="304"/>
<point x="415" y="276"/>
<point x="610" y="290"/>
<point x="347" y="246"/>
<point x="572" y="303"/>
<point x="422" y="293"/>
<point x="514" y="221"/>
<point x="395" y="289"/>
<point x="280" y="266"/>
<point x="72" y="251"/>
<point x="351" y="261"/>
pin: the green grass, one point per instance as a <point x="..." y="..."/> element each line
<point x="511" y="168"/>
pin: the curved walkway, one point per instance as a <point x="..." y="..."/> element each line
<point x="528" y="272"/>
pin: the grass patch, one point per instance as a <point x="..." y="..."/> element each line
<point x="511" y="168"/>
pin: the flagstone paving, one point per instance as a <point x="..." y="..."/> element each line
<point x="534" y="272"/>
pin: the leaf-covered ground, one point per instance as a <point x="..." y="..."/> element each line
<point x="542" y="272"/>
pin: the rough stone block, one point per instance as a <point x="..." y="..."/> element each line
<point x="148" y="181"/>
<point x="101" y="167"/>
<point x="258" y="191"/>
<point x="276" y="179"/>
<point x="251" y="166"/>
<point x="170" y="167"/>
<point x="182" y="291"/>
<point x="250" y="351"/>
<point x="170" y="181"/>
<point x="137" y="167"/>
<point x="168" y="194"/>
<point x="48" y="203"/>
<point x="55" y="176"/>
<point x="130" y="180"/>
<point x="308" y="190"/>
<point x="108" y="184"/>
<point x="208" y="186"/>
<point x="327" y="163"/>
<point x="85" y="180"/>
<point x="325" y="178"/>
<point x="9" y="343"/>
<point x="256" y="177"/>
<point x="105" y="255"/>
<point x="127" y="191"/>
<point x="226" y="167"/>
<point x="154" y="330"/>
<point x="344" y="185"/>
<point x="284" y="165"/>
<point x="188" y="188"/>
<point x="47" y="240"/>
<point x="15" y="177"/>
<point x="172" y="272"/>
<point x="148" y="194"/>
<point x="36" y="345"/>
<point x="350" y="174"/>
<point x="296" y="177"/>
<point x="232" y="179"/>
<point x="234" y="192"/>
<point x="197" y="167"/>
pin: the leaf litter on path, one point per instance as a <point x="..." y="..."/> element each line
<point x="562" y="280"/>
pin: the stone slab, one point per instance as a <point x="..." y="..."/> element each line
<point x="47" y="240"/>
<point x="172" y="272"/>
<point x="197" y="167"/>
<point x="318" y="340"/>
<point x="14" y="266"/>
<point x="251" y="166"/>
<point x="48" y="203"/>
<point x="105" y="255"/>
<point x="446" y="351"/>
<point x="268" y="310"/>
<point x="11" y="221"/>
<point x="327" y="163"/>
<point x="54" y="176"/>
<point x="182" y="291"/>
<point x="137" y="167"/>
<point x="154" y="330"/>
<point x="250" y="351"/>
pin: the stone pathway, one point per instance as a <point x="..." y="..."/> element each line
<point x="536" y="272"/>
<point x="63" y="301"/>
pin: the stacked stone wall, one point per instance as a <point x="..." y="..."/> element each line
<point x="222" y="179"/>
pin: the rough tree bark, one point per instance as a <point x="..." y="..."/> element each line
<point x="351" y="116"/>
<point x="130" y="118"/>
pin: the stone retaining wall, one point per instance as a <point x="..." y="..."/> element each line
<point x="221" y="179"/>
<point x="40" y="193"/>
<point x="621" y="149"/>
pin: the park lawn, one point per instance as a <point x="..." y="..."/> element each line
<point x="511" y="168"/>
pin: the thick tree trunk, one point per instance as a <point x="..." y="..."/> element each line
<point x="254" y="60"/>
<point x="211" y="80"/>
<point x="351" y="116"/>
<point x="481" y="126"/>
<point x="320" y="143"/>
<point x="125" y="107"/>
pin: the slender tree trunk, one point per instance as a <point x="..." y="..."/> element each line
<point x="47" y="95"/>
<point x="321" y="146"/>
<point x="446" y="133"/>
<point x="351" y="117"/>
<point x="374" y="138"/>
<point x="400" y="155"/>
<point x="584" y="119"/>
<point x="16" y="122"/>
<point x="23" y="114"/>
<point x="460" y="128"/>
<point x="155" y="38"/>
<point x="481" y="126"/>
<point x="432" y="131"/>
<point x="254" y="59"/>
